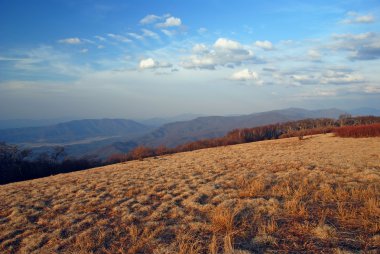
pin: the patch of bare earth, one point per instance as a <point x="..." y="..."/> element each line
<point x="321" y="194"/>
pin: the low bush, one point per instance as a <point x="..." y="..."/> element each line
<point x="360" y="131"/>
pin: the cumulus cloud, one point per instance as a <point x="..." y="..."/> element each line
<point x="71" y="41"/>
<point x="366" y="52"/>
<point x="223" y="43"/>
<point x="354" y="18"/>
<point x="200" y="48"/>
<point x="224" y="52"/>
<point x="266" y="45"/>
<point x="246" y="75"/>
<point x="148" y="19"/>
<point x="169" y="22"/>
<point x="364" y="46"/>
<point x="149" y="63"/>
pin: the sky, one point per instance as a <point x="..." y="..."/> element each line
<point x="142" y="59"/>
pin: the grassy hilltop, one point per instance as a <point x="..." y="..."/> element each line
<point x="319" y="194"/>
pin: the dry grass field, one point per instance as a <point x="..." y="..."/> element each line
<point x="317" y="195"/>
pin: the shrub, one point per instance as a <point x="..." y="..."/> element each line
<point x="141" y="152"/>
<point x="372" y="130"/>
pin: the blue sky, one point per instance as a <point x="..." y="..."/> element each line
<point x="139" y="59"/>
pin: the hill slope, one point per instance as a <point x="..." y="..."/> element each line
<point x="314" y="195"/>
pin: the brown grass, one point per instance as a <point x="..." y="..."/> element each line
<point x="320" y="194"/>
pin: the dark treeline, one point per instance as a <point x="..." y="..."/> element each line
<point x="16" y="164"/>
<point x="274" y="131"/>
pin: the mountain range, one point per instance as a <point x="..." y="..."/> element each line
<point x="103" y="137"/>
<point x="78" y="131"/>
<point x="178" y="133"/>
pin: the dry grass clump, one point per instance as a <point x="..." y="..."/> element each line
<point x="321" y="194"/>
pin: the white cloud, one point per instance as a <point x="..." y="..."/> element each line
<point x="84" y="50"/>
<point x="149" y="63"/>
<point x="340" y="77"/>
<point x="119" y="37"/>
<point x="201" y="62"/>
<point x="148" y="19"/>
<point x="223" y="43"/>
<point x="151" y="34"/>
<point x="314" y="54"/>
<point x="224" y="52"/>
<point x="169" y="22"/>
<point x="245" y="75"/>
<point x="200" y="48"/>
<point x="354" y="18"/>
<point x="71" y="41"/>
<point x="362" y="36"/>
<point x="364" y="46"/>
<point x="266" y="45"/>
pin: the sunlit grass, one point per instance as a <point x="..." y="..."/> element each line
<point x="320" y="194"/>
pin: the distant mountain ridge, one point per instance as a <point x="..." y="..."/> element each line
<point x="365" y="111"/>
<point x="178" y="133"/>
<point x="159" y="121"/>
<point x="26" y="123"/>
<point x="173" y="134"/>
<point x="74" y="131"/>
<point x="103" y="137"/>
